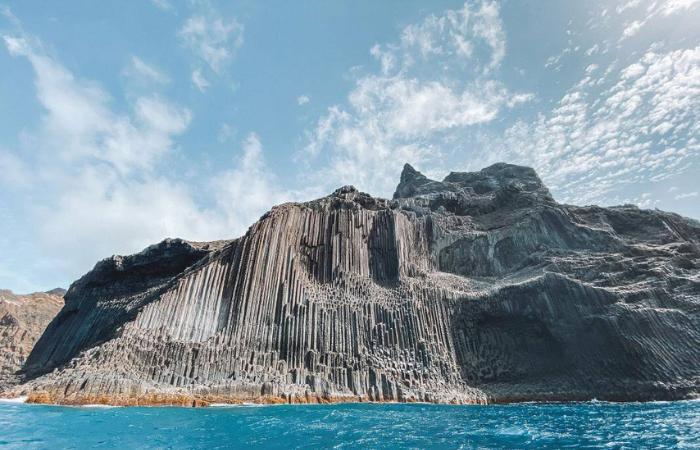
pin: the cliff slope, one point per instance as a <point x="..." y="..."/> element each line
<point x="23" y="319"/>
<point x="477" y="288"/>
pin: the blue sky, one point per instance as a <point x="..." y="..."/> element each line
<point x="127" y="122"/>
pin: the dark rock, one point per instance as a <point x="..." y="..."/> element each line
<point x="477" y="288"/>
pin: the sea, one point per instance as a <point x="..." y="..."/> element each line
<point x="361" y="426"/>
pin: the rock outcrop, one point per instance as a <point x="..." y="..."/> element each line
<point x="23" y="319"/>
<point x="478" y="288"/>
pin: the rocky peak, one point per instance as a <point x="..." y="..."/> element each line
<point x="350" y="196"/>
<point x="409" y="173"/>
<point x="474" y="193"/>
<point x="414" y="183"/>
<point x="500" y="176"/>
<point x="345" y="191"/>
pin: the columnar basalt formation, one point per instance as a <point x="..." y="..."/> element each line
<point x="23" y="319"/>
<point x="478" y="288"/>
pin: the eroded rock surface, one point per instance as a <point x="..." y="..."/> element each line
<point x="477" y="288"/>
<point x="23" y="319"/>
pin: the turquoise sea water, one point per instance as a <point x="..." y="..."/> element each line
<point x="574" y="425"/>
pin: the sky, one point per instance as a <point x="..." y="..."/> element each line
<point x="127" y="122"/>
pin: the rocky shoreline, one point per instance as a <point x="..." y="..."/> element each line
<point x="185" y="399"/>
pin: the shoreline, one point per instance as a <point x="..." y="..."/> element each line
<point x="186" y="401"/>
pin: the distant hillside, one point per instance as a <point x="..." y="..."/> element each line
<point x="23" y="319"/>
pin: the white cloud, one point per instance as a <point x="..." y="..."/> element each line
<point x="654" y="10"/>
<point x="79" y="122"/>
<point x="162" y="117"/>
<point x="457" y="33"/>
<point x="199" y="80"/>
<point x="641" y="127"/>
<point x="473" y="33"/>
<point x="162" y="4"/>
<point x="404" y="111"/>
<point x="519" y="99"/>
<point x="632" y="28"/>
<point x="15" y="172"/>
<point x="141" y="72"/>
<point x="104" y="178"/>
<point x="669" y="7"/>
<point x="553" y="62"/>
<point x="246" y="192"/>
<point x="627" y="5"/>
<point x="98" y="213"/>
<point x="409" y="108"/>
<point x="593" y="50"/>
<point x="645" y="201"/>
<point x="226" y="132"/>
<point x="687" y="195"/>
<point x="212" y="39"/>
<point x="7" y="13"/>
<point x="633" y="71"/>
<point x="303" y="100"/>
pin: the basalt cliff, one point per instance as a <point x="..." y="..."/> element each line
<point x="475" y="289"/>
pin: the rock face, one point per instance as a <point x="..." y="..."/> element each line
<point x="23" y="319"/>
<point x="477" y="288"/>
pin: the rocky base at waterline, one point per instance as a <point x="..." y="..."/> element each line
<point x="175" y="397"/>
<point x="475" y="289"/>
<point x="23" y="319"/>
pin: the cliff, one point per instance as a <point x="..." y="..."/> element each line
<point x="478" y="288"/>
<point x="23" y="319"/>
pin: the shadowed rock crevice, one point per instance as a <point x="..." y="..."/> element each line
<point x="477" y="288"/>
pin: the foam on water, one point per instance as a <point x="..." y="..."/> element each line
<point x="15" y="400"/>
<point x="97" y="405"/>
<point x="238" y="405"/>
<point x="557" y="425"/>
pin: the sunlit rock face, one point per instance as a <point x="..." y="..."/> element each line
<point x="23" y="319"/>
<point x="478" y="288"/>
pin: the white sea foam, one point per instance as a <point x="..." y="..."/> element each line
<point x="14" y="400"/>
<point x="243" y="405"/>
<point x="99" y="406"/>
